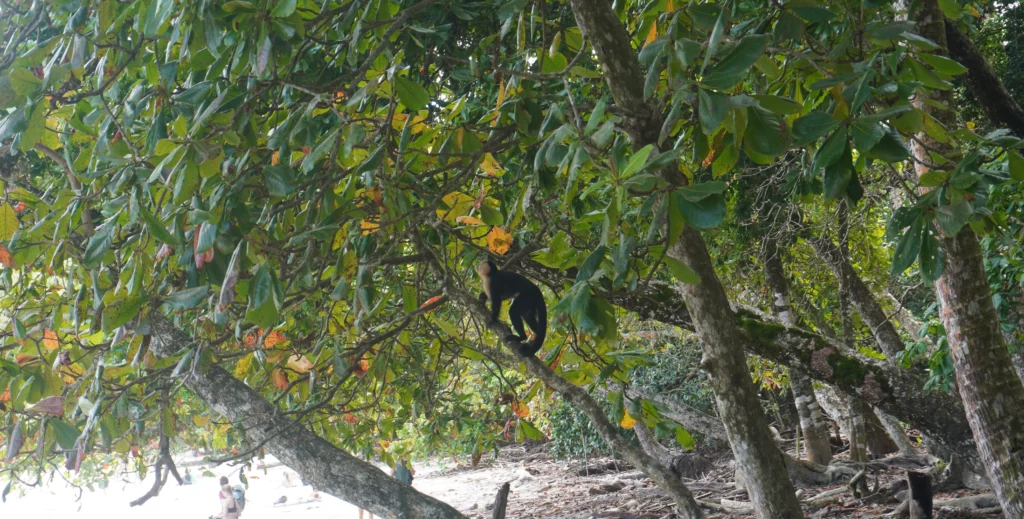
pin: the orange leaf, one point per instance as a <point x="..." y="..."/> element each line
<point x="280" y="378"/>
<point x="23" y="359"/>
<point x="652" y="34"/>
<point x="430" y="301"/>
<point x="469" y="220"/>
<point x="6" y="258"/>
<point x="275" y="158"/>
<point x="19" y="207"/>
<point x="669" y="7"/>
<point x="350" y="418"/>
<point x="6" y="395"/>
<point x="498" y="240"/>
<point x="50" y="340"/>
<point x="274" y="338"/>
<point x="520" y="409"/>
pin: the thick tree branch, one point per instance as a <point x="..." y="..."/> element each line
<point x="327" y="467"/>
<point x="984" y="84"/>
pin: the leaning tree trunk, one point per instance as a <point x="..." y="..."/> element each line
<point x="762" y="463"/>
<point x="992" y="393"/>
<point x="811" y="422"/>
<point x="898" y="392"/>
<point x="860" y="295"/>
<point x="327" y="467"/>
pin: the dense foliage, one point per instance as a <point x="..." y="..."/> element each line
<point x="302" y="185"/>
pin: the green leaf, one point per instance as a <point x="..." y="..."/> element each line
<point x="530" y="431"/>
<point x="866" y="134"/>
<point x="838" y="174"/>
<point x="831" y="150"/>
<point x="637" y="161"/>
<point x="705" y="214"/>
<point x="24" y="82"/>
<point x="684" y="438"/>
<point x="932" y="257"/>
<point x="207" y="237"/>
<point x="411" y="94"/>
<point x="698" y="192"/>
<point x="186" y="299"/>
<point x="280" y="180"/>
<point x="284" y="9"/>
<point x="765" y="133"/>
<point x="943" y="64"/>
<point x="122" y="310"/>
<point x="98" y="245"/>
<point x="950" y="8"/>
<point x="813" y="14"/>
<point x="156" y="228"/>
<point x="156" y="15"/>
<point x="681" y="271"/>
<point x="812" y="127"/>
<point x="1016" y="165"/>
<point x="590" y="265"/>
<point x="715" y="39"/>
<point x="66" y="434"/>
<point x="687" y="51"/>
<point x="779" y="104"/>
<point x="908" y="248"/>
<point x="890" y="148"/>
<point x="735" y="65"/>
<point x="713" y="107"/>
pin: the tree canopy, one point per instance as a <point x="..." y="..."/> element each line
<point x="303" y="188"/>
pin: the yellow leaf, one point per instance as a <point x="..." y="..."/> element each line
<point x="627" y="421"/>
<point x="669" y="7"/>
<point x="970" y="125"/>
<point x="497" y="106"/>
<point x="8" y="222"/>
<point x="469" y="220"/>
<point x="242" y="366"/>
<point x="299" y="363"/>
<point x="491" y="166"/>
<point x="498" y="240"/>
<point x="652" y="34"/>
<point x="275" y="158"/>
<point x="200" y="420"/>
<point x="368" y="227"/>
<point x="50" y="341"/>
<point x="975" y="13"/>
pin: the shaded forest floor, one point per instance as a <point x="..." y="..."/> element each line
<point x="542" y="487"/>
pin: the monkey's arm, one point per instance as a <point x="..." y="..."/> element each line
<point x="495" y="308"/>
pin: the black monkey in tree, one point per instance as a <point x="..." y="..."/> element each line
<point x="527" y="305"/>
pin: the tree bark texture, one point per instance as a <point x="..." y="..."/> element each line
<point x="811" y="423"/>
<point x="992" y="394"/>
<point x="896" y="432"/>
<point x="609" y="432"/>
<point x="325" y="466"/>
<point x="861" y="297"/>
<point x="771" y="492"/>
<point x="983" y="83"/>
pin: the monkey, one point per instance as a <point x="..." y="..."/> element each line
<point x="527" y="305"/>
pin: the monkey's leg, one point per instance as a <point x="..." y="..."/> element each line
<point x="515" y="314"/>
<point x="530" y="348"/>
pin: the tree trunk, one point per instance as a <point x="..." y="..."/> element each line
<point x="323" y="465"/>
<point x="501" y="501"/>
<point x="992" y="393"/>
<point x="983" y="83"/>
<point x="811" y="423"/>
<point x="692" y="419"/>
<point x="861" y="297"/>
<point x="896" y="432"/>
<point x="920" y="497"/>
<point x="898" y="392"/>
<point x="770" y="490"/>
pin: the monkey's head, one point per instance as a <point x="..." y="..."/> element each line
<point x="486" y="268"/>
